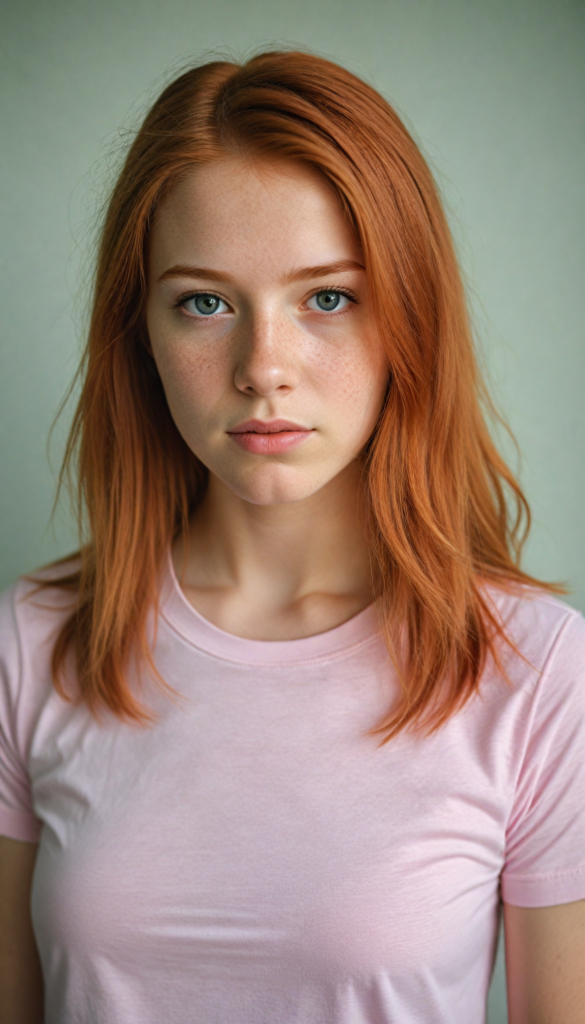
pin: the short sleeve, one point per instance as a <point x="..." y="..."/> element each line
<point x="17" y="818"/>
<point x="545" y="836"/>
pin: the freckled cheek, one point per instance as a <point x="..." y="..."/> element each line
<point x="352" y="383"/>
<point x="193" y="381"/>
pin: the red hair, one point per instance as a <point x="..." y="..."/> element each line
<point x="440" y="523"/>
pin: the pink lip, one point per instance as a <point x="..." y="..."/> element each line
<point x="265" y="427"/>
<point x="269" y="437"/>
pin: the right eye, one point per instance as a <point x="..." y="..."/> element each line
<point x="203" y="304"/>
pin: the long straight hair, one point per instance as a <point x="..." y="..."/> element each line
<point x="445" y="514"/>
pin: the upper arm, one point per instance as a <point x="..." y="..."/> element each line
<point x="21" y="980"/>
<point x="545" y="963"/>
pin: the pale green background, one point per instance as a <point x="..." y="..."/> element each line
<point x="494" y="91"/>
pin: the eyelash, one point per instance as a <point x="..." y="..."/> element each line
<point x="193" y="316"/>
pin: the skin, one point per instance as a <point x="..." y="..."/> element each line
<point x="277" y="548"/>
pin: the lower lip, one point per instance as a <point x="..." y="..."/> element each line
<point x="269" y="444"/>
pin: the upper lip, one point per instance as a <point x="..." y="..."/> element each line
<point x="265" y="427"/>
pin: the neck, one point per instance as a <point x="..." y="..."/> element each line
<point x="280" y="557"/>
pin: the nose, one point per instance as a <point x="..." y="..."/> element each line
<point x="267" y="359"/>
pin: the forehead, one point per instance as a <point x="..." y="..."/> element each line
<point x="234" y="212"/>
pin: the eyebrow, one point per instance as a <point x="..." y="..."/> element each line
<point x="302" y="274"/>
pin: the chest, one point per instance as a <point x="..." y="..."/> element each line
<point x="245" y="832"/>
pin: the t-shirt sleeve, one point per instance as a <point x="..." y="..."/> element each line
<point x="17" y="818"/>
<point x="545" y="836"/>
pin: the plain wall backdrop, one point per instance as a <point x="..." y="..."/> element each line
<point x="494" y="93"/>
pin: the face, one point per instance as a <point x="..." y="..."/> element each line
<point x="258" y="311"/>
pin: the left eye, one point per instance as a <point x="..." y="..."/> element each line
<point x="329" y="300"/>
<point x="204" y="304"/>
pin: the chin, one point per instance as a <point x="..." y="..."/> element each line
<point x="276" y="488"/>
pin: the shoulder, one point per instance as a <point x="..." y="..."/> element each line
<point x="545" y="629"/>
<point x="31" y="609"/>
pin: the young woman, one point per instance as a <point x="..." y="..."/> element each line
<point x="293" y="728"/>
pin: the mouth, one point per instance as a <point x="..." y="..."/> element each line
<point x="267" y="427"/>
<point x="260" y="437"/>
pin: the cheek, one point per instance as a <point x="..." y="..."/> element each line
<point x="354" y="380"/>
<point x="193" y="381"/>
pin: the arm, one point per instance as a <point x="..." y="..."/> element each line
<point x="545" y="963"/>
<point x="21" y="979"/>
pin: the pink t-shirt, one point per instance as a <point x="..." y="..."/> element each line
<point x="254" y="858"/>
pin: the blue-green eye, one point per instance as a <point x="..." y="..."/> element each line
<point x="204" y="304"/>
<point x="329" y="300"/>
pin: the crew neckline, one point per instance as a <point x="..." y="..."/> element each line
<point x="199" y="632"/>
